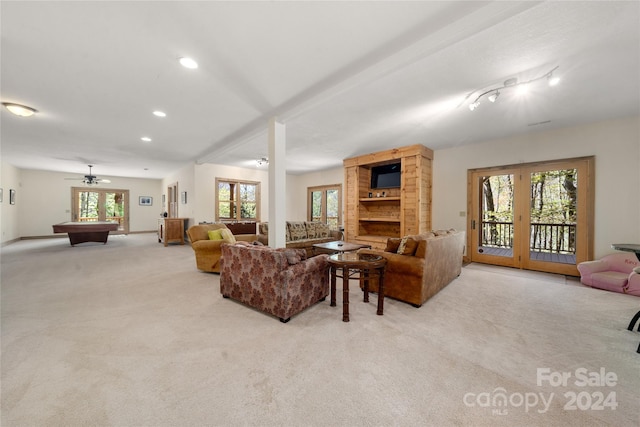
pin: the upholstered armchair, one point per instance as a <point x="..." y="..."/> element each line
<point x="207" y="251"/>
<point x="280" y="282"/>
<point x="419" y="266"/>
<point x="618" y="272"/>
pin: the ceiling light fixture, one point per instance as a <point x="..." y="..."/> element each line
<point x="188" y="63"/>
<point x="146" y="139"/>
<point x="19" y="110"/>
<point x="521" y="88"/>
<point x="262" y="161"/>
<point x="159" y="113"/>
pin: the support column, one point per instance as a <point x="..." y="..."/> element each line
<point x="277" y="183"/>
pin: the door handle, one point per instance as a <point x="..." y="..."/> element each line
<point x="473" y="224"/>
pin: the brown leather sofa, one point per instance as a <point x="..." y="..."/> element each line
<point x="280" y="282"/>
<point x="208" y="252"/>
<point x="302" y="235"/>
<point x="420" y="268"/>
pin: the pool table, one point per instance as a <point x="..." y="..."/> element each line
<point x="81" y="232"/>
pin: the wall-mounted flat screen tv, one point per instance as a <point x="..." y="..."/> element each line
<point x="385" y="176"/>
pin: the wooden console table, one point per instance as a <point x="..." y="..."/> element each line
<point x="171" y="230"/>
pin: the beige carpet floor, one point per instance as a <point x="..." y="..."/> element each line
<point x="131" y="334"/>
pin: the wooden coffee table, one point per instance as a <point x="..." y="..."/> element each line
<point x="338" y="246"/>
<point x="365" y="264"/>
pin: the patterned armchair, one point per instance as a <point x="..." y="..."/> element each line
<point x="280" y="282"/>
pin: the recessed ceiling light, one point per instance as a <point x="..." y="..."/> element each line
<point x="19" y="110"/>
<point x="160" y="113"/>
<point x="188" y="63"/>
<point x="146" y="139"/>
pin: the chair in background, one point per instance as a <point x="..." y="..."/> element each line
<point x="207" y="250"/>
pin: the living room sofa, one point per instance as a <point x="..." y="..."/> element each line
<point x="208" y="252"/>
<point x="419" y="266"/>
<point x="302" y="234"/>
<point x="280" y="282"/>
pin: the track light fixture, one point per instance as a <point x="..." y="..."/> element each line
<point x="262" y="161"/>
<point x="493" y="94"/>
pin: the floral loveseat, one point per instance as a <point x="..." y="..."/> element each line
<point x="280" y="282"/>
<point x="420" y="265"/>
<point x="302" y="234"/>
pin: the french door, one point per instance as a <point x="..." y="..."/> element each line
<point x="325" y="205"/>
<point x="101" y="205"/>
<point x="536" y="216"/>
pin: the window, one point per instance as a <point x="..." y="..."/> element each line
<point x="237" y="200"/>
<point x="325" y="205"/>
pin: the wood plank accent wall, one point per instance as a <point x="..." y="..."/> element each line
<point x="401" y="211"/>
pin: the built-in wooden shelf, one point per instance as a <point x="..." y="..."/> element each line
<point x="380" y="199"/>
<point x="401" y="211"/>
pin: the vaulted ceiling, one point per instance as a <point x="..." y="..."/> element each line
<point x="346" y="78"/>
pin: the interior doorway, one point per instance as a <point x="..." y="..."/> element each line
<point x="172" y="200"/>
<point x="535" y="216"/>
<point x="101" y="205"/>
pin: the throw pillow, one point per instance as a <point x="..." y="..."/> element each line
<point x="297" y="230"/>
<point x="311" y="230"/>
<point x="227" y="235"/>
<point x="215" y="234"/>
<point x="322" y="230"/>
<point x="393" y="244"/>
<point x="407" y="246"/>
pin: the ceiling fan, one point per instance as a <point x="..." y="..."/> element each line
<point x="91" y="179"/>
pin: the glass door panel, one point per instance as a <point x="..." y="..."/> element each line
<point x="333" y="209"/>
<point x="492" y="224"/>
<point x="115" y="208"/>
<point x="555" y="234"/>
<point x="88" y="206"/>
<point x="316" y="205"/>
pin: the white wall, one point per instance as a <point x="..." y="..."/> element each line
<point x="615" y="145"/>
<point x="185" y="179"/>
<point x="9" y="215"/>
<point x="43" y="198"/>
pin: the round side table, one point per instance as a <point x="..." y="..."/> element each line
<point x="366" y="265"/>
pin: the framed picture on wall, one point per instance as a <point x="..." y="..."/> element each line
<point x="183" y="197"/>
<point x="12" y="196"/>
<point x="145" y="201"/>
